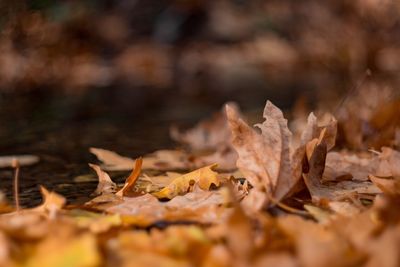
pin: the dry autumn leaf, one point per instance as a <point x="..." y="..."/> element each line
<point x="208" y="134"/>
<point x="264" y="158"/>
<point x="159" y="160"/>
<point x="195" y="225"/>
<point x="198" y="205"/>
<point x="132" y="178"/>
<point x="204" y="177"/>
<point x="105" y="185"/>
<point x="52" y="201"/>
<point x="330" y="192"/>
<point x="267" y="160"/>
<point x="77" y="251"/>
<point x="111" y="160"/>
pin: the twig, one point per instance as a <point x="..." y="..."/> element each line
<point x="15" y="165"/>
<point x="288" y="208"/>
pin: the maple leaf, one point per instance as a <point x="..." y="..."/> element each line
<point x="204" y="177"/>
<point x="266" y="159"/>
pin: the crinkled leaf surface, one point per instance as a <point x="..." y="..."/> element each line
<point x="204" y="177"/>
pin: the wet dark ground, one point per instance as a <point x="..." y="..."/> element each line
<point x="60" y="128"/>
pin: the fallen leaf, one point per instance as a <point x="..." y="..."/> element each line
<point x="132" y="178"/>
<point x="225" y="157"/>
<point x="333" y="191"/>
<point x="77" y="251"/>
<point x="276" y="259"/>
<point x="350" y="166"/>
<point x="204" y="177"/>
<point x="167" y="160"/>
<point x="85" y="178"/>
<point x="316" y="245"/>
<point x="152" y="184"/>
<point x="5" y="251"/>
<point x="111" y="160"/>
<point x="344" y="208"/>
<point x="388" y="185"/>
<point x="158" y="160"/>
<point x="240" y="236"/>
<point x="208" y="134"/>
<point x="199" y="205"/>
<point x="384" y="250"/>
<point x="389" y="163"/>
<point x="52" y="202"/>
<point x="105" y="185"/>
<point x="95" y="222"/>
<point x="263" y="159"/>
<point x="266" y="159"/>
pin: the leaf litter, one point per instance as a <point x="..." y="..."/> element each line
<point x="232" y="195"/>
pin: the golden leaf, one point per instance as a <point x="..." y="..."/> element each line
<point x="204" y="177"/>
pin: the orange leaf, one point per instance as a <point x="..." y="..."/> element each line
<point x="132" y="178"/>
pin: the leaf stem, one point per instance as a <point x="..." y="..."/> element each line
<point x="15" y="165"/>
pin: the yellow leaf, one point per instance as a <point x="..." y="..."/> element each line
<point x="95" y="222"/>
<point x="204" y="177"/>
<point x="77" y="252"/>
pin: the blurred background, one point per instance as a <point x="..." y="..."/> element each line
<point x="117" y="73"/>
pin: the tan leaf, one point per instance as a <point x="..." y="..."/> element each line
<point x="198" y="205"/>
<point x="155" y="183"/>
<point x="52" y="201"/>
<point x="111" y="160"/>
<point x="316" y="245"/>
<point x="208" y="134"/>
<point x="240" y="236"/>
<point x="384" y="250"/>
<point x="388" y="185"/>
<point x="389" y="163"/>
<point x="349" y="166"/>
<point x="334" y="191"/>
<point x="264" y="158"/>
<point x="105" y="185"/>
<point x="224" y="156"/>
<point x="158" y="160"/>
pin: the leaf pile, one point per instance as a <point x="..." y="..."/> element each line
<point x="285" y="202"/>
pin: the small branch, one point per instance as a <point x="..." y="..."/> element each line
<point x="288" y="208"/>
<point x="15" y="165"/>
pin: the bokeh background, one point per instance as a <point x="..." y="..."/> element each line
<point x="117" y="73"/>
